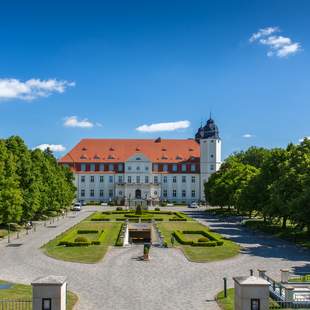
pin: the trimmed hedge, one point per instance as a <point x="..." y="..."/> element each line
<point x="119" y="240"/>
<point x="176" y="219"/>
<point x="179" y="236"/>
<point x="87" y="231"/>
<point x="98" y="219"/>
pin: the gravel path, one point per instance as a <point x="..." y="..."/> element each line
<point x="121" y="281"/>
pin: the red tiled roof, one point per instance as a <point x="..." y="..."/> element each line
<point x="119" y="150"/>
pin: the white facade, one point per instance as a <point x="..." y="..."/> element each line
<point x="138" y="176"/>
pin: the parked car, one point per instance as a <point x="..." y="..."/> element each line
<point x="170" y="204"/>
<point x="193" y="205"/>
<point x="104" y="204"/>
<point x="76" y="206"/>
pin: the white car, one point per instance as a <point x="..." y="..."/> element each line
<point x="193" y="205"/>
<point x="104" y="204"/>
<point x="76" y="207"/>
<point x="170" y="204"/>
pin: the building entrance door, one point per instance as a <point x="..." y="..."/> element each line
<point x="138" y="194"/>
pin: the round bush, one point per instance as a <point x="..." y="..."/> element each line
<point x="157" y="209"/>
<point x="81" y="239"/>
<point x="119" y="208"/>
<point x="203" y="239"/>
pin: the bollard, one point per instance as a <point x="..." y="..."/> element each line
<point x="225" y="287"/>
<point x="251" y="272"/>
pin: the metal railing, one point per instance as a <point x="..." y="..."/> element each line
<point x="288" y="305"/>
<point x="11" y="304"/>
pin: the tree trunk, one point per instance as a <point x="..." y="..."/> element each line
<point x="284" y="222"/>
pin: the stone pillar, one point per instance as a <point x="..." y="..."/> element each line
<point x="289" y="293"/>
<point x="284" y="275"/>
<point x="251" y="293"/>
<point x="49" y="293"/>
<point x="261" y="273"/>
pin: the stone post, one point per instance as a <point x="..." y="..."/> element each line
<point x="284" y="275"/>
<point x="49" y="293"/>
<point x="289" y="293"/>
<point x="251" y="293"/>
<point x="261" y="273"/>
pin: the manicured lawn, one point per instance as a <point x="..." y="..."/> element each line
<point x="303" y="278"/>
<point x="82" y="254"/>
<point x="131" y="215"/>
<point x="198" y="253"/>
<point x="24" y="292"/>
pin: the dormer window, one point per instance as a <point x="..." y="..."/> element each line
<point x="110" y="157"/>
<point x="164" y="149"/>
<point x="83" y="156"/>
<point x="178" y="157"/>
<point x="111" y="149"/>
<point x="138" y="158"/>
<point x="190" y="149"/>
<point x="164" y="157"/>
<point x="96" y="157"/>
<point x="84" y="149"/>
<point x="137" y="149"/>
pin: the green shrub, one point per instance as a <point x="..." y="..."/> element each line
<point x="81" y="239"/>
<point x="119" y="240"/>
<point x="87" y="231"/>
<point x="176" y="219"/>
<point x="14" y="227"/>
<point x="203" y="239"/>
<point x="98" y="219"/>
<point x="179" y="237"/>
<point x="158" y="219"/>
<point x="95" y="242"/>
<point x="157" y="209"/>
<point x="139" y="210"/>
<point x="208" y="244"/>
<point x="72" y="244"/>
<point x="119" y="209"/>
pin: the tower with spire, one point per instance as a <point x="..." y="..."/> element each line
<point x="210" y="151"/>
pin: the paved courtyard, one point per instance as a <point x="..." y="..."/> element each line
<point x="121" y="281"/>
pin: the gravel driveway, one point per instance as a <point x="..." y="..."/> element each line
<point x="121" y="281"/>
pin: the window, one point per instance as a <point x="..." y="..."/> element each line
<point x="183" y="178"/>
<point x="165" y="179"/>
<point x="146" y="179"/>
<point x="174" y="167"/>
<point x="165" y="193"/>
<point x="211" y="167"/>
<point x="183" y="167"/>
<point x="120" y="179"/>
<point x="193" y="167"/>
<point x="120" y="167"/>
<point x="146" y="168"/>
<point x="83" y="167"/>
<point x="211" y="155"/>
<point x="174" y="193"/>
<point x="155" y="179"/>
<point x="83" y="193"/>
<point x="101" y="193"/>
<point x="92" y="179"/>
<point x="120" y="193"/>
<point x="92" y="193"/>
<point x="193" y="179"/>
<point x="165" y="167"/>
<point x="138" y="179"/>
<point x="101" y="179"/>
<point x="111" y="178"/>
<point x="138" y="168"/>
<point x="155" y="167"/>
<point x="83" y="178"/>
<point x="138" y="158"/>
<point x="255" y="304"/>
<point x="101" y="167"/>
<point x="111" y="167"/>
<point x="183" y="193"/>
<point x="212" y="141"/>
<point x="129" y="179"/>
<point x="174" y="179"/>
<point x="129" y="168"/>
<point x="111" y="193"/>
<point x="92" y="167"/>
<point x="193" y="193"/>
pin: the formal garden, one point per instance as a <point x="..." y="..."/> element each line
<point x="89" y="240"/>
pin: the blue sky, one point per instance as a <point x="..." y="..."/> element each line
<point x="104" y="68"/>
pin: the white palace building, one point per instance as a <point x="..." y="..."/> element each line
<point x="145" y="170"/>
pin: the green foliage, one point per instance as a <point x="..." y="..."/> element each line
<point x="157" y="209"/>
<point x="119" y="209"/>
<point x="272" y="183"/>
<point x="207" y="240"/>
<point x="32" y="184"/>
<point x="203" y="239"/>
<point x="138" y="210"/>
<point x="81" y="239"/>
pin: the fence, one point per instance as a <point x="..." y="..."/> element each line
<point x="288" y="305"/>
<point x="9" y="304"/>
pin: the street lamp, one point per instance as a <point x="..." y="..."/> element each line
<point x="9" y="239"/>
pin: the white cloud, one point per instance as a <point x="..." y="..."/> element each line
<point x="302" y="139"/>
<point x="263" y="33"/>
<point x="248" y="136"/>
<point x="52" y="147"/>
<point x="73" y="121"/>
<point x="31" y="89"/>
<point x="171" y="126"/>
<point x="278" y="45"/>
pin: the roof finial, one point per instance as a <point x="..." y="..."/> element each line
<point x="210" y="115"/>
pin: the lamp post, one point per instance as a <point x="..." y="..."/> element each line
<point x="225" y="287"/>
<point x="129" y="199"/>
<point x="9" y="239"/>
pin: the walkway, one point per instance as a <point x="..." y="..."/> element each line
<point x="121" y="281"/>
